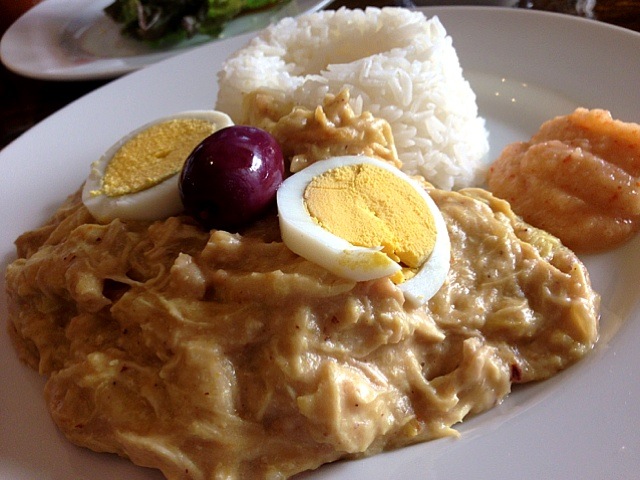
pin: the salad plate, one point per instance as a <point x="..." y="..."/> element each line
<point x="76" y="40"/>
<point x="525" y="67"/>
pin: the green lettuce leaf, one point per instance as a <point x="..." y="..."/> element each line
<point x="167" y="21"/>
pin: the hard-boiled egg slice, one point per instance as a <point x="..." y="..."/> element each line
<point x="431" y="275"/>
<point x="363" y="219"/>
<point x="137" y="178"/>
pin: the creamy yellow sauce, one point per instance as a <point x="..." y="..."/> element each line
<point x="331" y="129"/>
<point x="228" y="356"/>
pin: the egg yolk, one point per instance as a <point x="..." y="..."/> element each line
<point x="153" y="155"/>
<point x="371" y="207"/>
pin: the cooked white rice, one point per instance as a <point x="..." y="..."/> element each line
<point x="397" y="64"/>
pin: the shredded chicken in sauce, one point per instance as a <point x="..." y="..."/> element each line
<point x="332" y="129"/>
<point x="217" y="355"/>
<point x="211" y="355"/>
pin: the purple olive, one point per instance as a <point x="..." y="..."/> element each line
<point x="231" y="177"/>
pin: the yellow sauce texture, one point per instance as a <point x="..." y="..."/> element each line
<point x="329" y="130"/>
<point x="371" y="207"/>
<point x="153" y="155"/>
<point x="235" y="358"/>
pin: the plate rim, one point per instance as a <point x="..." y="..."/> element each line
<point x="22" y="41"/>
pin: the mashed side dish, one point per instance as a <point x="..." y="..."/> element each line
<point x="228" y="356"/>
<point x="578" y="177"/>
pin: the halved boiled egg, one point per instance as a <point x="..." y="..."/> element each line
<point x="137" y="178"/>
<point x="363" y="219"/>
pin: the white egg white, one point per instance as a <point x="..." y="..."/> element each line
<point x="307" y="238"/>
<point x="159" y="201"/>
<point x="433" y="273"/>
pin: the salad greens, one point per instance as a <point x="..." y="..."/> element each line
<point x="167" y="21"/>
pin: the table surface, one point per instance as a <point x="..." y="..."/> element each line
<point x="24" y="101"/>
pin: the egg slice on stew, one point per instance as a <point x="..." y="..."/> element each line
<point x="137" y="178"/>
<point x="363" y="219"/>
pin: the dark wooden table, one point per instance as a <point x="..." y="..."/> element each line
<point x="25" y="102"/>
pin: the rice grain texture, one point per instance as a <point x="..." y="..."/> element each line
<point x="397" y="64"/>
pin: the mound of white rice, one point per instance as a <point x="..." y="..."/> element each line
<point x="397" y="64"/>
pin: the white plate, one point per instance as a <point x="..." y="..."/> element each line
<point x="526" y="67"/>
<point x="76" y="40"/>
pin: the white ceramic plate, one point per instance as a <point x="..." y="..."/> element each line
<point x="76" y="40"/>
<point x="526" y="67"/>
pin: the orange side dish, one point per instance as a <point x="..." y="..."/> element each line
<point x="578" y="178"/>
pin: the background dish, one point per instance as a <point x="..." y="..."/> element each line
<point x="525" y="67"/>
<point x="75" y="40"/>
